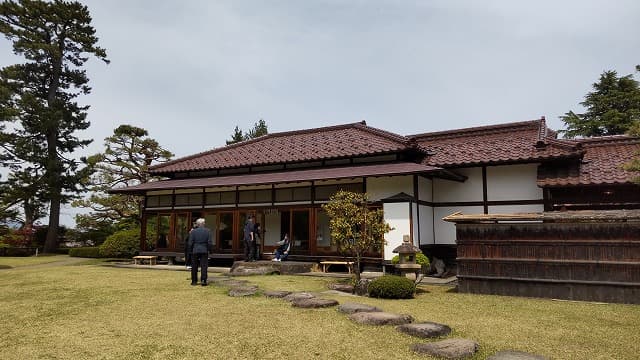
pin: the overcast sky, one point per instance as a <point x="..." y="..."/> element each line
<point x="190" y="71"/>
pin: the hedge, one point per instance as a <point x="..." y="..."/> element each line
<point x="87" y="252"/>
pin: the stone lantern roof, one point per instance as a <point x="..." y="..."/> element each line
<point x="407" y="247"/>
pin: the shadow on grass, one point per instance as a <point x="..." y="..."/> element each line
<point x="453" y="290"/>
<point x="5" y="267"/>
<point x="420" y="291"/>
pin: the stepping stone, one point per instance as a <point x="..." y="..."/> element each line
<point x="243" y="291"/>
<point x="234" y="283"/>
<point x="299" y="295"/>
<point x="515" y="355"/>
<point x="276" y="293"/>
<point x="218" y="280"/>
<point x="425" y="329"/>
<point x="241" y="269"/>
<point x="341" y="287"/>
<point x="448" y="349"/>
<point x="380" y="318"/>
<point x="351" y="308"/>
<point x="313" y="303"/>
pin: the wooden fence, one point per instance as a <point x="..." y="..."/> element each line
<point x="566" y="255"/>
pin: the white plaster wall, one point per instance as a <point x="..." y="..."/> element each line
<point x="414" y="221"/>
<point x="426" y="225"/>
<point x="454" y="191"/>
<point x="511" y="209"/>
<point x="382" y="187"/>
<point x="424" y="189"/>
<point x="397" y="216"/>
<point x="445" y="232"/>
<point x="513" y="182"/>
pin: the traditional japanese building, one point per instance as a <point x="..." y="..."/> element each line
<point x="284" y="178"/>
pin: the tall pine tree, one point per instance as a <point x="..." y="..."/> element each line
<point x="611" y="108"/>
<point x="55" y="39"/>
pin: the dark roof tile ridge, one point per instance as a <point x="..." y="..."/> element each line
<point x="360" y="125"/>
<point x="488" y="129"/>
<point x="387" y="134"/>
<point x="609" y="140"/>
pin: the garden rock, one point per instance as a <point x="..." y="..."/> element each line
<point x="239" y="269"/>
<point x="362" y="287"/>
<point x="515" y="355"/>
<point x="380" y="318"/>
<point x="313" y="303"/>
<point x="298" y="296"/>
<point x="341" y="287"/>
<point x="351" y="308"/>
<point x="243" y="291"/>
<point x="425" y="329"/>
<point x="438" y="267"/>
<point x="449" y="349"/>
<point x="276" y="293"/>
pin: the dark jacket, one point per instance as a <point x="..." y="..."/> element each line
<point x="200" y="241"/>
<point x="248" y="231"/>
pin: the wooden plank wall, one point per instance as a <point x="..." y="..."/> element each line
<point x="591" y="261"/>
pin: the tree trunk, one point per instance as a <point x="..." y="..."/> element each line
<point x="53" y="164"/>
<point x="51" y="244"/>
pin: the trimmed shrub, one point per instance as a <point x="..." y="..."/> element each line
<point x="87" y="252"/>
<point x="121" y="244"/>
<point x="63" y="250"/>
<point x="392" y="287"/>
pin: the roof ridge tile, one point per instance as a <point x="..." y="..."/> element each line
<point x="487" y="129"/>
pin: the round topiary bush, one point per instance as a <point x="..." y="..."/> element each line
<point x="121" y="244"/>
<point x="392" y="287"/>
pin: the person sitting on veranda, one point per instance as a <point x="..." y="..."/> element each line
<point x="283" y="250"/>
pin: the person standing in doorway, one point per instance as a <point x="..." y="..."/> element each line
<point x="200" y="245"/>
<point x="257" y="239"/>
<point x="249" y="240"/>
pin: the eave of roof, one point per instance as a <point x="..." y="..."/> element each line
<point x="389" y="169"/>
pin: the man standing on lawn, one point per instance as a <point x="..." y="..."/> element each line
<point x="200" y="244"/>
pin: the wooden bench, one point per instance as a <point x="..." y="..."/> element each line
<point x="325" y="265"/>
<point x="142" y="258"/>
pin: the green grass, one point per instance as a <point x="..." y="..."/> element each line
<point x="98" y="312"/>
<point x="11" y="262"/>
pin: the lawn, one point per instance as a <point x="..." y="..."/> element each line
<point x="91" y="311"/>
<point x="12" y="262"/>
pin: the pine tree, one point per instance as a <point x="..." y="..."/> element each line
<point x="236" y="137"/>
<point x="55" y="39"/>
<point x="611" y="109"/>
<point x="125" y="162"/>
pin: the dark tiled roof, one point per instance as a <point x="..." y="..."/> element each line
<point x="506" y="143"/>
<point x="602" y="163"/>
<point x="283" y="177"/>
<point x="332" y="142"/>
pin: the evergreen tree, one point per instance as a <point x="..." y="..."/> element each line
<point x="125" y="162"/>
<point x="236" y="137"/>
<point x="55" y="39"/>
<point x="259" y="129"/>
<point x="634" y="164"/>
<point x="611" y="109"/>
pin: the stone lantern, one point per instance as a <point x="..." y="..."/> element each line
<point x="407" y="253"/>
